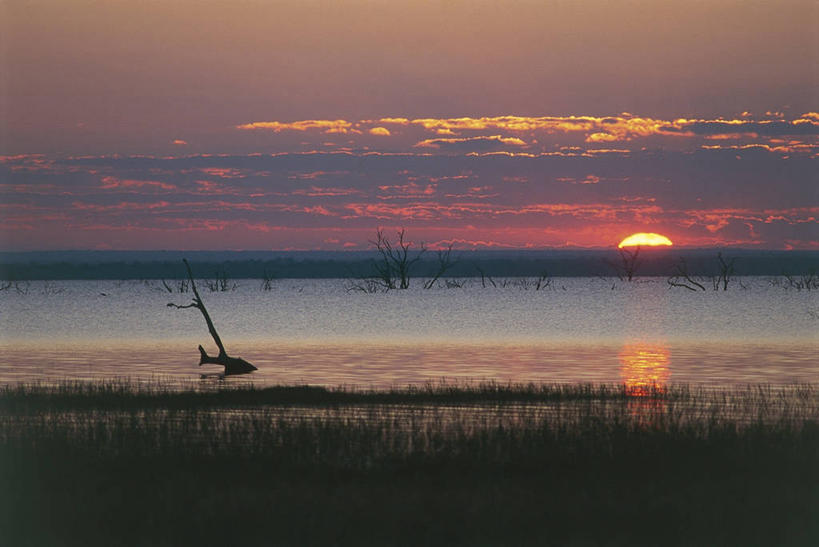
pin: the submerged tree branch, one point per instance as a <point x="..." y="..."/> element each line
<point x="233" y="365"/>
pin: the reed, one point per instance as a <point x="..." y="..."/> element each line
<point x="450" y="464"/>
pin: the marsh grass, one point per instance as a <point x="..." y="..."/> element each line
<point x="168" y="464"/>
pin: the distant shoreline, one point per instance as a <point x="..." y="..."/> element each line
<point x="78" y="265"/>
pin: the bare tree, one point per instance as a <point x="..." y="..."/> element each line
<point x="544" y="281"/>
<point x="395" y="260"/>
<point x="181" y="287"/>
<point x="681" y="278"/>
<point x="267" y="280"/>
<point x="233" y="365"/>
<point x="485" y="277"/>
<point x="807" y="281"/>
<point x="629" y="262"/>
<point x="445" y="262"/>
<point x="20" y="287"/>
<point x="367" y="285"/>
<point x="220" y="282"/>
<point x="726" y="271"/>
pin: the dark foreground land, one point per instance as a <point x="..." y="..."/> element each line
<point x="127" y="464"/>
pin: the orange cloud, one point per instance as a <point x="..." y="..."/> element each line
<point x="784" y="149"/>
<point x="437" y="143"/>
<point x="601" y="137"/>
<point x="593" y="129"/>
<point x="623" y="127"/>
<point x="398" y="121"/>
<point x="326" y="126"/>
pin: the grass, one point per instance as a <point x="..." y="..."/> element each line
<point x="468" y="464"/>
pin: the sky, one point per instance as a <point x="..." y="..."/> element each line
<point x="486" y="124"/>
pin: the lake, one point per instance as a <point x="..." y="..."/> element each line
<point x="319" y="332"/>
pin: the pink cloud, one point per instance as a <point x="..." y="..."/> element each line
<point x="110" y="183"/>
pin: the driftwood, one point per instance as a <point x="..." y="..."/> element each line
<point x="233" y="365"/>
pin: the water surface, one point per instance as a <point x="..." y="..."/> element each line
<point x="318" y="332"/>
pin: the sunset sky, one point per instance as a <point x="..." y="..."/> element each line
<point x="308" y="124"/>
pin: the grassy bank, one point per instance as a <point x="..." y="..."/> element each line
<point x="121" y="463"/>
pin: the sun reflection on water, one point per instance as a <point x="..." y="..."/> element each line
<point x="644" y="368"/>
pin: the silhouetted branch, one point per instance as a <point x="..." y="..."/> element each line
<point x="445" y="262"/>
<point x="543" y="281"/>
<point x="626" y="269"/>
<point x="267" y="280"/>
<point x="807" y="281"/>
<point x="233" y="365"/>
<point x="485" y="277"/>
<point x="681" y="278"/>
<point x="726" y="271"/>
<point x="180" y="307"/>
<point x="220" y="283"/>
<point x="393" y="267"/>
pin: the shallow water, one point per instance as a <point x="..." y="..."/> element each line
<point x="317" y="332"/>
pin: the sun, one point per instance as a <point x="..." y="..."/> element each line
<point x="643" y="238"/>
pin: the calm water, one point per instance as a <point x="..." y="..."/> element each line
<point x="315" y="331"/>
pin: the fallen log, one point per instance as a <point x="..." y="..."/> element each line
<point x="233" y="365"/>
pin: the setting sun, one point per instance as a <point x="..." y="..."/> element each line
<point x="643" y="238"/>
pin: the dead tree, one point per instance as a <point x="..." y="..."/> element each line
<point x="445" y="262"/>
<point x="21" y="288"/>
<point x="394" y="264"/>
<point x="628" y="265"/>
<point x="681" y="278"/>
<point x="484" y="277"/>
<point x="182" y="286"/>
<point x="267" y="280"/>
<point x="807" y="281"/>
<point x="233" y="365"/>
<point x="543" y="281"/>
<point x="726" y="270"/>
<point x="366" y="285"/>
<point x="220" y="283"/>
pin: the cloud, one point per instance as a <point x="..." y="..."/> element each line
<point x="316" y="191"/>
<point x="398" y="121"/>
<point x="215" y="188"/>
<point x="179" y="142"/>
<point x="120" y="206"/>
<point x="110" y="183"/>
<point x="325" y="126"/>
<point x="602" y="137"/>
<point x="790" y="148"/>
<point x="802" y="126"/>
<point x="518" y="198"/>
<point x="621" y="128"/>
<point x="224" y="172"/>
<point x="470" y="143"/>
<point x="313" y="175"/>
<point x="410" y="190"/>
